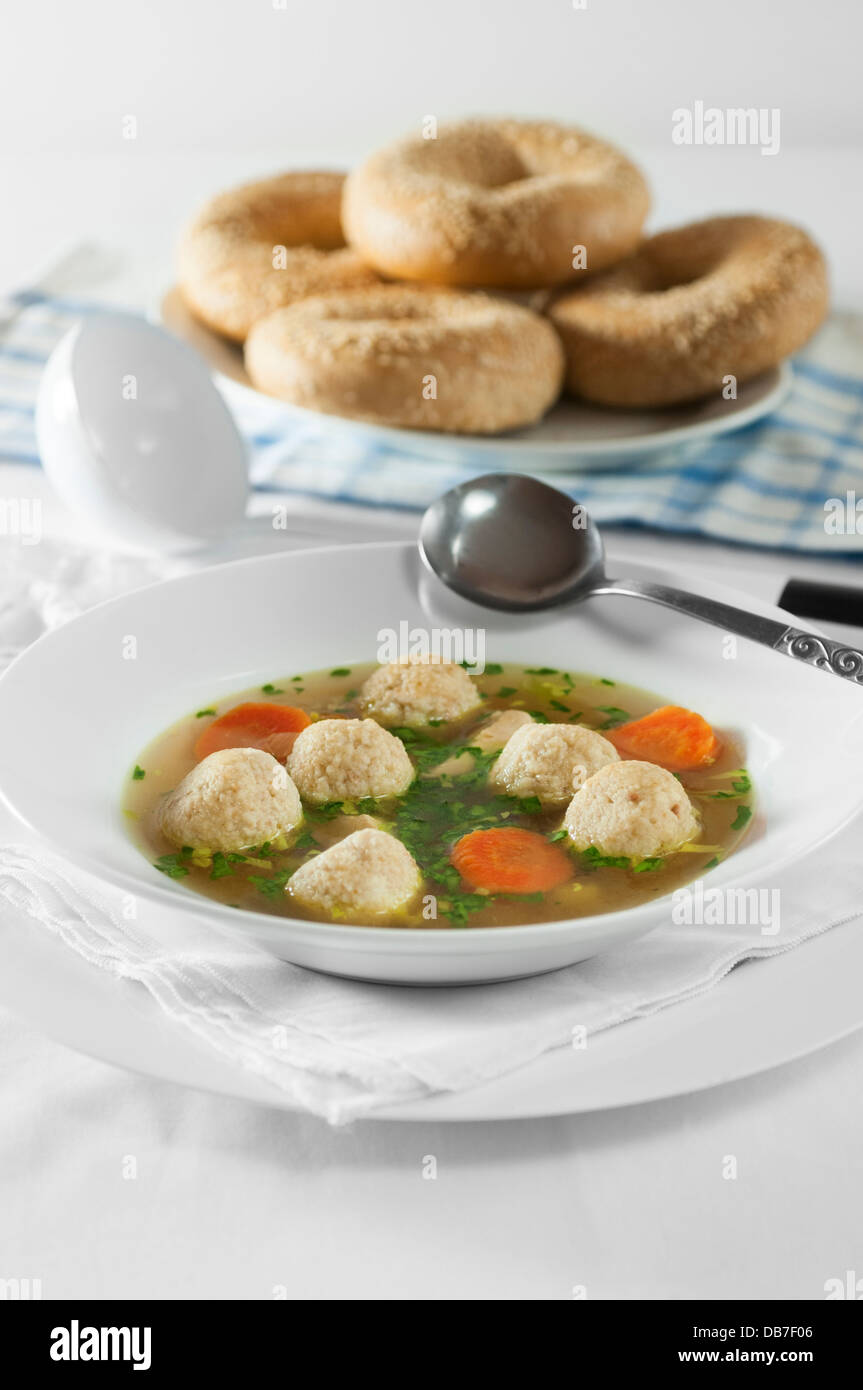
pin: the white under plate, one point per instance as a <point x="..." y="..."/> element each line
<point x="803" y="732"/>
<point x="810" y="995"/>
<point x="571" y="433"/>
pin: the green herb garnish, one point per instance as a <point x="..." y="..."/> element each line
<point x="327" y="811"/>
<point x="593" y="859"/>
<point x="203" y="713"/>
<point x="270" y="689"/>
<point x="172" y="865"/>
<point x="493" y="669"/>
<point x="743" y="815"/>
<point x="221" y="865"/>
<point x="340" y="671"/>
<point x="615" y="716"/>
<point x="435" y="812"/>
<point x="138" y="774"/>
<point x="458" y="908"/>
<point x="272" y="886"/>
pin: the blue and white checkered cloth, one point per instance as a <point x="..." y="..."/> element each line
<point x="779" y="483"/>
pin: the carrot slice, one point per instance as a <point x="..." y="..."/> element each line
<point x="254" y="725"/>
<point x="510" y="860"/>
<point x="675" y="738"/>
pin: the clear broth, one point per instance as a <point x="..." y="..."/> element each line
<point x="551" y="695"/>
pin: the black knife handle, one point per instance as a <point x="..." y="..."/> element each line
<point x="835" y="603"/>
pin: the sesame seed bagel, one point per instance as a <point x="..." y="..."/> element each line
<point x="731" y="296"/>
<point x="495" y="203"/>
<point x="418" y="358"/>
<point x="266" y="244"/>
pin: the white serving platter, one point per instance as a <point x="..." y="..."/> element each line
<point x="571" y="434"/>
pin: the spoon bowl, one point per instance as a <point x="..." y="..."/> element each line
<point x="511" y="542"/>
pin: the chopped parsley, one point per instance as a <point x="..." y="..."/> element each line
<point x="741" y="785"/>
<point x="172" y="864"/>
<point x="407" y="735"/>
<point x="558" y="704"/>
<point x="138" y="774"/>
<point x="505" y="692"/>
<point x="711" y="863"/>
<point x="203" y="713"/>
<point x="340" y="671"/>
<point x="604" y="681"/>
<point x="458" y="909"/>
<point x="493" y="669"/>
<point x="270" y="689"/>
<point x="538" y="716"/>
<point x="743" y="815"/>
<point x="615" y="716"/>
<point x="435" y="812"/>
<point x="272" y="886"/>
<point x="592" y="858"/>
<point x="327" y="811"/>
<point x="541" y="671"/>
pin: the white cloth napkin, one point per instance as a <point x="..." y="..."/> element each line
<point x="338" y="1048"/>
<point x="342" y="1049"/>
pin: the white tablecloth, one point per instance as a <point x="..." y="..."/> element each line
<point x="235" y="1201"/>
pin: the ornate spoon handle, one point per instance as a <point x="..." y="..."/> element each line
<point x="821" y="652"/>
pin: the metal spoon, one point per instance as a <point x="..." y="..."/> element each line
<point x="511" y="542"/>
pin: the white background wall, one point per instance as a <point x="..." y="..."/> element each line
<point x="227" y="89"/>
<point x="217" y="74"/>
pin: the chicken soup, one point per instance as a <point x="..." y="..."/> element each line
<point x="421" y="794"/>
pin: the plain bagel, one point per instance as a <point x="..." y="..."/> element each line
<point x="266" y="244"/>
<point x="501" y="203"/>
<point x="731" y="296"/>
<point x="411" y="357"/>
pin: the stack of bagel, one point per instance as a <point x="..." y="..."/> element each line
<point x="461" y="279"/>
